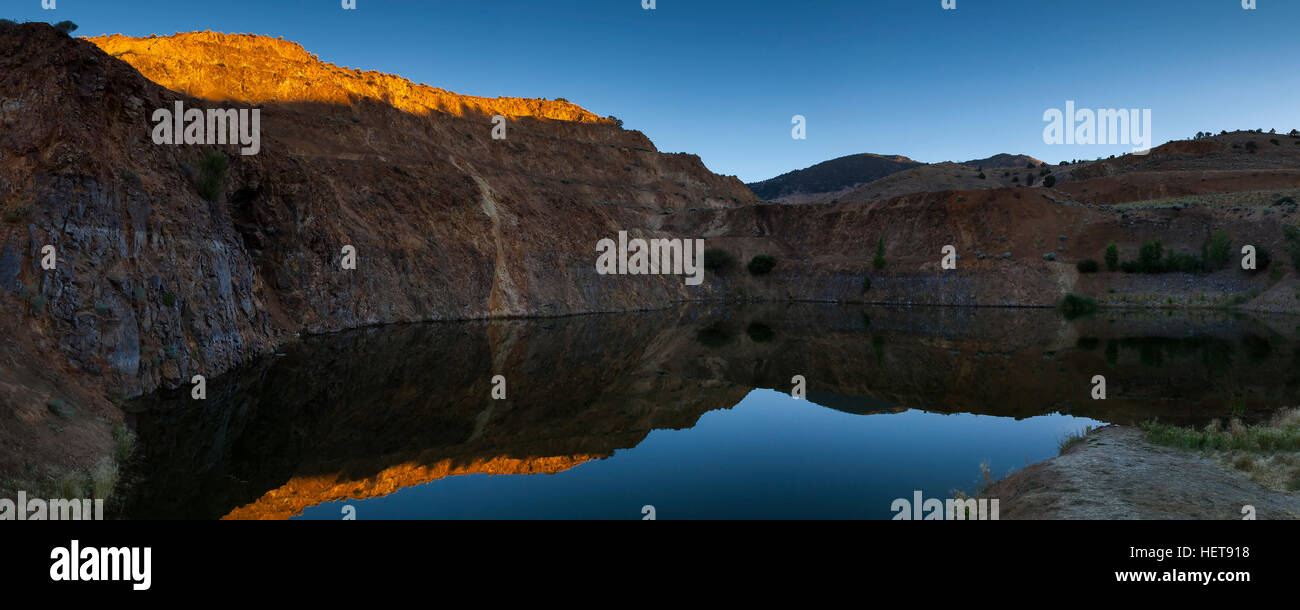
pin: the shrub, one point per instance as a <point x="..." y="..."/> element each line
<point x="1112" y="257"/>
<point x="1129" y="267"/>
<point x="879" y="260"/>
<point x="759" y="332"/>
<point x="67" y="27"/>
<point x="1049" y="181"/>
<point x="1292" y="245"/>
<point x="212" y="174"/>
<point x="18" y="214"/>
<point x="866" y="284"/>
<point x="1149" y="257"/>
<point x="718" y="260"/>
<point x="1182" y="262"/>
<point x="1087" y="265"/>
<point x="1075" y="306"/>
<point x="169" y="299"/>
<point x="761" y="264"/>
<point x="1217" y="252"/>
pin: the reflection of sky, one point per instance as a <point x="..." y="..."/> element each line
<point x="769" y="457"/>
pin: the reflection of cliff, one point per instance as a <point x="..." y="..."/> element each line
<point x="368" y="412"/>
<point x="1018" y="363"/>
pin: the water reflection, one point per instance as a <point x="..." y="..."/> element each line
<point x="367" y="413"/>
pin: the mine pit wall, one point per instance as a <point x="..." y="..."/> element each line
<point x="145" y="301"/>
<point x="1005" y="239"/>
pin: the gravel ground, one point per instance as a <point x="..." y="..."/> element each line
<point x="1116" y="474"/>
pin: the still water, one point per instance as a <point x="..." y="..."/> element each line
<point x="685" y="410"/>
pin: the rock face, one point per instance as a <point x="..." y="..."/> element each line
<point x="153" y="283"/>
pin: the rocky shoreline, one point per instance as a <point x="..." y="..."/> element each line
<point x="1114" y="473"/>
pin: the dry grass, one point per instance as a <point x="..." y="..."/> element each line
<point x="1269" y="453"/>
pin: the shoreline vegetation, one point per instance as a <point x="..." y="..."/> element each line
<point x="1224" y="471"/>
<point x="1269" y="453"/>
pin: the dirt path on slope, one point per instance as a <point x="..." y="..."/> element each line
<point x="1116" y="474"/>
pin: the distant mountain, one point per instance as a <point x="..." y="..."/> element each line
<point x="1004" y="160"/>
<point x="844" y="173"/>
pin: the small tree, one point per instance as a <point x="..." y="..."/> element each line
<point x="1150" y="255"/>
<point x="718" y="260"/>
<point x="879" y="260"/>
<point x="1217" y="252"/>
<point x="212" y="174"/>
<point x="67" y="27"/>
<point x="761" y="264"/>
<point x="1112" y="257"/>
<point x="1049" y="181"/>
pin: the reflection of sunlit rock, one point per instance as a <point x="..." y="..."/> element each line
<point x="301" y="492"/>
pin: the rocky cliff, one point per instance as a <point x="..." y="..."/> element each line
<point x="154" y="283"/>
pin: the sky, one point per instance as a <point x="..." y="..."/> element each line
<point x="724" y="78"/>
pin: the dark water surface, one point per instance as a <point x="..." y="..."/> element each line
<point x="687" y="410"/>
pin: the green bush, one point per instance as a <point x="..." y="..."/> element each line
<point x="1049" y="181"/>
<point x="212" y="174"/>
<point x="718" y="260"/>
<point x="759" y="332"/>
<point x="1075" y="306"/>
<point x="1112" y="257"/>
<point x="1217" y="252"/>
<point x="866" y="284"/>
<point x="1149" y="257"/>
<point x="1292" y="245"/>
<point x="879" y="260"/>
<point x="1087" y="265"/>
<point x="1129" y="267"/>
<point x="761" y="264"/>
<point x="1182" y="262"/>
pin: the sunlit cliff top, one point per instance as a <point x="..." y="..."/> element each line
<point x="257" y="69"/>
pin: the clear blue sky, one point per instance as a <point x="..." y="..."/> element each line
<point x="722" y="78"/>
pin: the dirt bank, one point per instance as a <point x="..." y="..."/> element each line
<point x="1116" y="474"/>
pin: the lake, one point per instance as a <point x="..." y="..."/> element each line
<point x="685" y="413"/>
